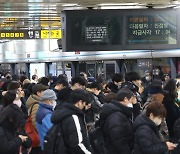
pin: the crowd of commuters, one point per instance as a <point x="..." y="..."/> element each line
<point x="140" y="115"/>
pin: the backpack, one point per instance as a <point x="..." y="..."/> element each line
<point x="97" y="140"/>
<point x="54" y="142"/>
<point x="31" y="131"/>
<point x="97" y="137"/>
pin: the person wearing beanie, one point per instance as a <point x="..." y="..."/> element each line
<point x="44" y="113"/>
<point x="156" y="94"/>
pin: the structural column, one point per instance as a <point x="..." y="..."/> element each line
<point x="12" y="68"/>
<point x="74" y="68"/>
<point x="173" y="67"/>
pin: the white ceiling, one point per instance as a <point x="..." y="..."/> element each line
<point x="15" y="14"/>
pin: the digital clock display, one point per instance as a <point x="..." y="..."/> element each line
<point x="151" y="29"/>
<point x="110" y="30"/>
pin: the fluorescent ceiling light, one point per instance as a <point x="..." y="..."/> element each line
<point x="122" y="7"/>
<point x="117" y="4"/>
<point x="175" y="2"/>
<point x="162" y="6"/>
<point x="73" y="8"/>
<point x="34" y="11"/>
<point x="70" y="4"/>
<point x="176" y="7"/>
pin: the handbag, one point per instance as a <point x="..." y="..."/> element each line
<point x="31" y="131"/>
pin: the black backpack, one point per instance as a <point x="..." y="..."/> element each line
<point x="97" y="140"/>
<point x="54" y="142"/>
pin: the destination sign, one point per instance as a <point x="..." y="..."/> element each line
<point x="30" y="34"/>
<point x="54" y="34"/>
<point x="151" y="29"/>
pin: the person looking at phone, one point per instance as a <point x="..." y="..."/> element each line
<point x="11" y="139"/>
<point x="147" y="140"/>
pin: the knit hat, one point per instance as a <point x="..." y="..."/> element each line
<point x="155" y="89"/>
<point x="38" y="88"/>
<point x="49" y="95"/>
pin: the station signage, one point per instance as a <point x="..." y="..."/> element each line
<point x="30" y="34"/>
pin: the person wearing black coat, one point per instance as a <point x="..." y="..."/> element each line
<point x="173" y="111"/>
<point x="147" y="139"/>
<point x="11" y="138"/>
<point x="71" y="117"/>
<point x="117" y="118"/>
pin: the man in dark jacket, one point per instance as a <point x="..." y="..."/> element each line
<point x="71" y="117"/>
<point x="133" y="83"/>
<point x="117" y="122"/>
<point x="77" y="82"/>
<point x="117" y="80"/>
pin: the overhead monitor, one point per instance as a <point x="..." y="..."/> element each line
<point x="101" y="30"/>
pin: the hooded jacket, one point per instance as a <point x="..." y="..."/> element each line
<point x="30" y="101"/>
<point x="43" y="121"/>
<point x="117" y="127"/>
<point x="147" y="140"/>
<point x="73" y="128"/>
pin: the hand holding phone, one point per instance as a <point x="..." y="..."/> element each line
<point x="175" y="144"/>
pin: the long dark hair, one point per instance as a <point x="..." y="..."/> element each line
<point x="12" y="117"/>
<point x="9" y="97"/>
<point x="171" y="88"/>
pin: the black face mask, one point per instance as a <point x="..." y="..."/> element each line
<point x="84" y="110"/>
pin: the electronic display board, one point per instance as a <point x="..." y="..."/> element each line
<point x="96" y="30"/>
<point x="108" y="30"/>
<point x="151" y="29"/>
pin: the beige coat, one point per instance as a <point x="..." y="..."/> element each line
<point x="30" y="101"/>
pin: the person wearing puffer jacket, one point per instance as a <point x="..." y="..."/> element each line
<point x="147" y="139"/>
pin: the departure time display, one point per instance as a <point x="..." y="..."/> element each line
<point x="151" y="29"/>
<point x="109" y="30"/>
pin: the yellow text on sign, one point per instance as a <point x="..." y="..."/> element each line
<point x="53" y="34"/>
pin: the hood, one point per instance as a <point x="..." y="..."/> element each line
<point x="144" y="120"/>
<point x="31" y="100"/>
<point x="113" y="107"/>
<point x="65" y="110"/>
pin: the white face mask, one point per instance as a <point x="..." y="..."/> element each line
<point x="157" y="121"/>
<point x="17" y="102"/>
<point x="130" y="105"/>
<point x="148" y="78"/>
<point x="53" y="103"/>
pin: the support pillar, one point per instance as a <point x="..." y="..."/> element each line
<point x="75" y="68"/>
